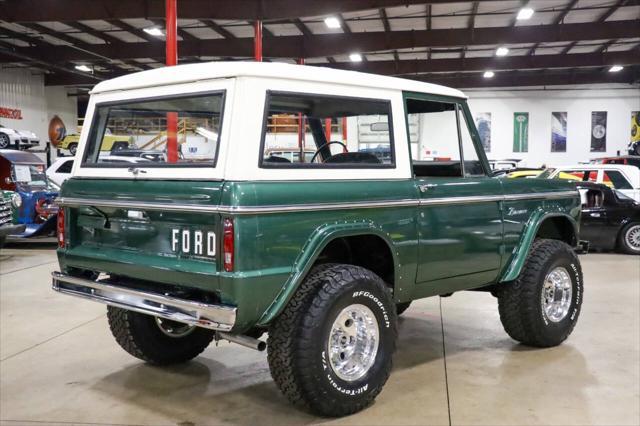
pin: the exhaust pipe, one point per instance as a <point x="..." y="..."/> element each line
<point x="247" y="341"/>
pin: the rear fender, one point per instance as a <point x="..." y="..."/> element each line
<point x="531" y="229"/>
<point x="321" y="237"/>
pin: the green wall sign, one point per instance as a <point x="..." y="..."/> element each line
<point x="520" y="132"/>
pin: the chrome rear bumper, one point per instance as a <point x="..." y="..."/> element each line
<point x="215" y="317"/>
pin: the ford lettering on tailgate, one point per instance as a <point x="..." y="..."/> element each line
<point x="193" y="242"/>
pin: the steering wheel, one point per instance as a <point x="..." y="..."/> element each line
<point x="324" y="146"/>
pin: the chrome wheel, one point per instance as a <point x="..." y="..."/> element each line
<point x="174" y="328"/>
<point x="353" y="342"/>
<point x="556" y="294"/>
<point x="632" y="238"/>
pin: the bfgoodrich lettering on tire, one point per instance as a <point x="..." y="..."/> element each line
<point x="542" y="306"/>
<point x="331" y="347"/>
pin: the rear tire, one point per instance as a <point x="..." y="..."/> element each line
<point x="320" y="348"/>
<point x="157" y="341"/>
<point x="629" y="240"/>
<point x="4" y="141"/>
<point x="541" y="307"/>
<point x="73" y="148"/>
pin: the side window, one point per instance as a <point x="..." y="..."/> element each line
<point x="583" y="175"/>
<point x="444" y="141"/>
<point x="65" y="167"/>
<point x="319" y="131"/>
<point x="617" y="179"/>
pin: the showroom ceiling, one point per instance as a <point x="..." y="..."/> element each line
<point x="441" y="41"/>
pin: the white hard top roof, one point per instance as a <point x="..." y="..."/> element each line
<point x="212" y="70"/>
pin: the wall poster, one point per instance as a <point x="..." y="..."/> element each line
<point x="483" y="124"/>
<point x="635" y="126"/>
<point x="559" y="131"/>
<point x="598" y="131"/>
<point x="520" y="132"/>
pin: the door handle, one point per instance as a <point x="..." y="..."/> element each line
<point x="427" y="186"/>
<point x="594" y="214"/>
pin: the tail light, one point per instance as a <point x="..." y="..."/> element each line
<point x="61" y="237"/>
<point x="227" y="245"/>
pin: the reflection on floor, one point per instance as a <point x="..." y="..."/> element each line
<point x="59" y="363"/>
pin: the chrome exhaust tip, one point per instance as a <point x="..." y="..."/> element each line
<point x="249" y="342"/>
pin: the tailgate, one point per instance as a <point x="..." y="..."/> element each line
<point x="163" y="231"/>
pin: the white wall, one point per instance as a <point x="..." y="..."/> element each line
<point x="24" y="90"/>
<point x="579" y="103"/>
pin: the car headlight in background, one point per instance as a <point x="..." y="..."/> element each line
<point x="16" y="200"/>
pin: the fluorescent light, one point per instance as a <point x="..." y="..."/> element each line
<point x="502" y="51"/>
<point x="83" y="68"/>
<point x="524" y="14"/>
<point x="154" y="31"/>
<point x="488" y="74"/>
<point x="616" y="68"/>
<point x="332" y="22"/>
<point x="355" y="57"/>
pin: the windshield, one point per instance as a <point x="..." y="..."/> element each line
<point x="546" y="173"/>
<point x="178" y="131"/>
<point x="29" y="176"/>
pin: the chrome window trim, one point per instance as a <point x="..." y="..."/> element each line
<point x="191" y="208"/>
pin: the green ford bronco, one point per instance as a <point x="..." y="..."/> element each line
<point x="322" y="252"/>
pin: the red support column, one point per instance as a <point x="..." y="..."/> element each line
<point x="257" y="41"/>
<point x="327" y="129"/>
<point x="344" y="133"/>
<point x="171" y="18"/>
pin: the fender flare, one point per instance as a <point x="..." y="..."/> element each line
<point x="320" y="238"/>
<point x="531" y="228"/>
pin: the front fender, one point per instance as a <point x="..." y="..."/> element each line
<point x="529" y="233"/>
<point x="320" y="238"/>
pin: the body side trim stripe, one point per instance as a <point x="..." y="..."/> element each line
<point x="80" y="202"/>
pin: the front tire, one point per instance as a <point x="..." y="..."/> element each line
<point x="73" y="148"/>
<point x="541" y="307"/>
<point x="4" y="141"/>
<point x="630" y="239"/>
<point x="331" y="348"/>
<point x="155" y="340"/>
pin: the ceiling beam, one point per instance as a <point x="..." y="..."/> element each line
<point x="182" y="33"/>
<point x="557" y="21"/>
<point x="323" y="45"/>
<point x="217" y="28"/>
<point x="524" y="79"/>
<point x="80" y="10"/>
<point x="138" y="32"/>
<point x="408" y="67"/>
<point x="385" y="21"/>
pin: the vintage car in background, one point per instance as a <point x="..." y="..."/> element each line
<point x="18" y="139"/>
<point x="610" y="219"/>
<point x="34" y="196"/>
<point x="7" y="225"/>
<point x="630" y="160"/>
<point x="624" y="178"/>
<point x="112" y="142"/>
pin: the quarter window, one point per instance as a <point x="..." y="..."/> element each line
<point x="319" y="131"/>
<point x="617" y="179"/>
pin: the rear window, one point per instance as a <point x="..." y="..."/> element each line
<point x="330" y="131"/>
<point x="177" y="131"/>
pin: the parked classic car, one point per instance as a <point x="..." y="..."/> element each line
<point x="112" y="142"/>
<point x="18" y="139"/>
<point x="7" y="225"/>
<point x="624" y="178"/>
<point x="60" y="170"/>
<point x="610" y="219"/>
<point x="323" y="255"/>
<point x="631" y="160"/>
<point x="34" y="200"/>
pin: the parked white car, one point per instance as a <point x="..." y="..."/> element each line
<point x="18" y="139"/>
<point x="623" y="178"/>
<point x="60" y="170"/>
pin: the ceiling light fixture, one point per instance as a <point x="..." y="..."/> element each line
<point x="488" y="74"/>
<point x="616" y="68"/>
<point x="355" y="57"/>
<point x="154" y="31"/>
<point x="502" y="51"/>
<point x="524" y="14"/>
<point x="332" y="22"/>
<point x="83" y="68"/>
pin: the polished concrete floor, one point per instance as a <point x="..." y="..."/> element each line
<point x="454" y="365"/>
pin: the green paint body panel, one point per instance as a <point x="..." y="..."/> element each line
<point x="436" y="247"/>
